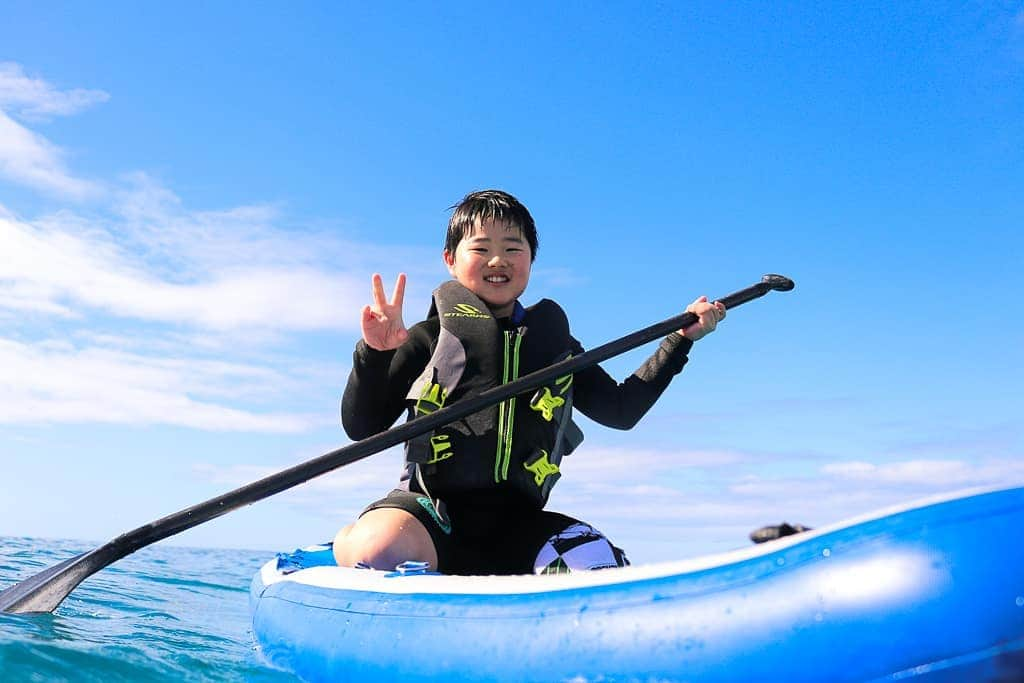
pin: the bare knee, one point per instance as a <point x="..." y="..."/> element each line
<point x="382" y="539"/>
<point x="340" y="539"/>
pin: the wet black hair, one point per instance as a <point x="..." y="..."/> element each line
<point x="489" y="204"/>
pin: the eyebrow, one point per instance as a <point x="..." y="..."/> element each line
<point x="507" y="238"/>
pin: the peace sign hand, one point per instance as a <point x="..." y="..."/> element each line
<point x="382" y="324"/>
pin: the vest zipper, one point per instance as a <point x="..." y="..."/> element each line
<point x="512" y="406"/>
<point x="501" y="412"/>
<point x="507" y="409"/>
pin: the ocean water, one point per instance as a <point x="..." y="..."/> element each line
<point x="161" y="614"/>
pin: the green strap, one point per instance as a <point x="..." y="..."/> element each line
<point x="511" y="408"/>
<point x="501" y="412"/>
<point x="507" y="409"/>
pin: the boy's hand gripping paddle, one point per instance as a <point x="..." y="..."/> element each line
<point x="44" y="591"/>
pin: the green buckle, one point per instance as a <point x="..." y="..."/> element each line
<point x="431" y="399"/>
<point x="546" y="404"/>
<point x="541" y="468"/>
<point x="441" y="447"/>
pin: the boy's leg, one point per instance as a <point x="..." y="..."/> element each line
<point x="384" y="538"/>
<point x="401" y="527"/>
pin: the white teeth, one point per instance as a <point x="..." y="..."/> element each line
<point x="496" y="278"/>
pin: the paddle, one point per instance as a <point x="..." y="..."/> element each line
<point x="44" y="591"/>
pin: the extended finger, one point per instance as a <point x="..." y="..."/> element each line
<point x="378" y="291"/>
<point x="399" y="294"/>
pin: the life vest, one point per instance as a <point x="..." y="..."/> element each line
<point x="518" y="444"/>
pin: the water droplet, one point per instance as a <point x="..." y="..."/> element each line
<point x="826" y="552"/>
<point x="780" y="561"/>
<point x="1020" y="601"/>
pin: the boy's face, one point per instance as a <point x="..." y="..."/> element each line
<point x="494" y="263"/>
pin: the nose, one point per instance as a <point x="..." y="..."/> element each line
<point x="496" y="260"/>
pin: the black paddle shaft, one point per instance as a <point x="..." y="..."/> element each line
<point x="44" y="591"/>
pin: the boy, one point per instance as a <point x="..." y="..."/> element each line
<point x="472" y="496"/>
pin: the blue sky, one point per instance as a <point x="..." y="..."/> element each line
<point x="192" y="200"/>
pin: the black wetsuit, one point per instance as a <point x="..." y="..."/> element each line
<point x="490" y="529"/>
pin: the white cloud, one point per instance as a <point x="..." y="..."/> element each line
<point x="65" y="263"/>
<point x="152" y="294"/>
<point x="182" y="244"/>
<point x="52" y="381"/>
<point x="26" y="157"/>
<point x="35" y="98"/>
<point x="30" y="159"/>
<point x="151" y="259"/>
<point x="929" y="473"/>
<point x="25" y="297"/>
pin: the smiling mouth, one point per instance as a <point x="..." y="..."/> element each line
<point x="496" y="279"/>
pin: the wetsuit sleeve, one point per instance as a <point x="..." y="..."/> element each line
<point x="375" y="394"/>
<point x="600" y="397"/>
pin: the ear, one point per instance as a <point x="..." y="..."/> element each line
<point x="449" y="260"/>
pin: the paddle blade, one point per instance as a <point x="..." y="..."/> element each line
<point x="47" y="589"/>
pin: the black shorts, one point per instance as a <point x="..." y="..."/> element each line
<point x="474" y="539"/>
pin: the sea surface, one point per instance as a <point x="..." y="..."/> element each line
<point x="161" y="614"/>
